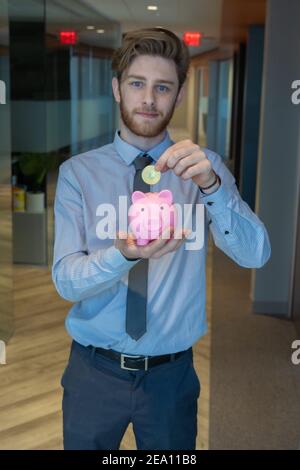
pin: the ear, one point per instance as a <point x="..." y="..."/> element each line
<point x="116" y="89"/>
<point x="181" y="95"/>
<point x="136" y="196"/>
<point x="166" y="195"/>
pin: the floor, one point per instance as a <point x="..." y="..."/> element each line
<point x="254" y="386"/>
<point x="30" y="392"/>
<point x="250" y="396"/>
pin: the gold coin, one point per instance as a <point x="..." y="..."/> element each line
<point x="150" y="175"/>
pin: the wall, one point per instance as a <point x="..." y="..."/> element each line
<point x="183" y="123"/>
<point x="277" y="179"/>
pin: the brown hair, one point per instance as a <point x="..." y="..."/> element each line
<point x="152" y="41"/>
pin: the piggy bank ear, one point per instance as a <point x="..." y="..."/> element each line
<point x="136" y="195"/>
<point x="166" y="195"/>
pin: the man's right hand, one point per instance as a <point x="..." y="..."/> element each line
<point x="154" y="249"/>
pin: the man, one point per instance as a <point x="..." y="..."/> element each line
<point x="139" y="309"/>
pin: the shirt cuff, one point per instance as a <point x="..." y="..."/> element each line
<point x="217" y="201"/>
<point x="114" y="258"/>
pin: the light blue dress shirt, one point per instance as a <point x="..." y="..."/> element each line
<point x="92" y="274"/>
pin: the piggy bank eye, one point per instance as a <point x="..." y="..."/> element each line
<point x="162" y="207"/>
<point x="142" y="209"/>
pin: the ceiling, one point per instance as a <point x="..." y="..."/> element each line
<point x="237" y="16"/>
<point x="177" y="15"/>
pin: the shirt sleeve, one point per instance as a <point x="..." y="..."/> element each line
<point x="76" y="274"/>
<point x="235" y="228"/>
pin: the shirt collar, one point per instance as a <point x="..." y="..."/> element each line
<point x="129" y="152"/>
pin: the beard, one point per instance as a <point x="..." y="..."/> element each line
<point x="148" y="128"/>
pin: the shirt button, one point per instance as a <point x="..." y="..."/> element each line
<point x="210" y="203"/>
<point x="226" y="232"/>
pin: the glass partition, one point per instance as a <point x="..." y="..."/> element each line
<point x="6" y="293"/>
<point x="28" y="125"/>
<point x="62" y="105"/>
<point x="81" y="112"/>
<point x="218" y="107"/>
<point x="203" y="90"/>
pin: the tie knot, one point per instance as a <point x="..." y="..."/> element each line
<point x="141" y="161"/>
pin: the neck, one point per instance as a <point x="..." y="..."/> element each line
<point x="142" y="143"/>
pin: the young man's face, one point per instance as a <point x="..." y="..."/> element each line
<point x="148" y="94"/>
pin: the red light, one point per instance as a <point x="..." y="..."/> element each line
<point x="67" y="37"/>
<point x="192" y="39"/>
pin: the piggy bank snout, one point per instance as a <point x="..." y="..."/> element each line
<point x="154" y="223"/>
<point x="150" y="214"/>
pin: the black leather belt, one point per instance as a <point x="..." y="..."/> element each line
<point x="131" y="362"/>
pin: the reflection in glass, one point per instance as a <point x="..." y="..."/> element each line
<point x="62" y="105"/>
<point x="216" y="111"/>
<point x="81" y="113"/>
<point x="224" y="107"/>
<point x="203" y="90"/>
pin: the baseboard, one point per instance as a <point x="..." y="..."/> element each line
<point x="278" y="309"/>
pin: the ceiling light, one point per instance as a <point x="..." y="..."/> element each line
<point x="90" y="27"/>
<point x="152" y="7"/>
<point x="100" y="31"/>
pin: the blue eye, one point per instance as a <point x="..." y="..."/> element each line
<point x="162" y="88"/>
<point x="136" y="84"/>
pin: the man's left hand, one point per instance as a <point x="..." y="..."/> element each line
<point x="187" y="160"/>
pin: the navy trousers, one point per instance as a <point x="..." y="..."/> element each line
<point x="100" y="399"/>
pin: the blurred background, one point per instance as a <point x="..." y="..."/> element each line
<point x="242" y="102"/>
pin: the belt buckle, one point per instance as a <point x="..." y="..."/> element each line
<point x="124" y="356"/>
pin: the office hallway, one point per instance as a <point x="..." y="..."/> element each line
<point x="254" y="387"/>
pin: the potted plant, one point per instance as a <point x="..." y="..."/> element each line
<point x="36" y="166"/>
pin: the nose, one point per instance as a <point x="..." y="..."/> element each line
<point x="148" y="98"/>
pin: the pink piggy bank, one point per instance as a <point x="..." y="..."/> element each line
<point x="150" y="214"/>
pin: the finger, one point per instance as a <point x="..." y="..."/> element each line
<point x="161" y="162"/>
<point x="124" y="237"/>
<point x="187" y="232"/>
<point x="173" y="243"/>
<point x="203" y="167"/>
<point x="155" y="245"/>
<point x="120" y="240"/>
<point x="131" y="240"/>
<point x="171" y="246"/>
<point x="184" y="163"/>
<point x="126" y="241"/>
<point x="121" y="235"/>
<point x="182" y="154"/>
<point x="182" y="233"/>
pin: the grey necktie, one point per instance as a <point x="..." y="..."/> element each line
<point x="136" y="308"/>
